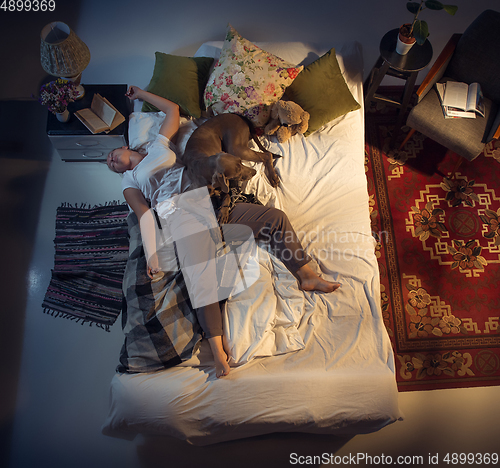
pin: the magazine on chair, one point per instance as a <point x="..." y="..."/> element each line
<point x="460" y="100"/>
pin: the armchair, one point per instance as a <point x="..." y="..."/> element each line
<point x="473" y="56"/>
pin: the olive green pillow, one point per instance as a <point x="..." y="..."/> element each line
<point x="321" y="90"/>
<point x="181" y="80"/>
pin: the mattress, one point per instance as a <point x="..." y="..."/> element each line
<point x="301" y="361"/>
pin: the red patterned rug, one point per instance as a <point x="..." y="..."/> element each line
<point x="439" y="255"/>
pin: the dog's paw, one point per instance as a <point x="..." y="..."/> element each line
<point x="274" y="181"/>
<point x="223" y="216"/>
<point x="273" y="178"/>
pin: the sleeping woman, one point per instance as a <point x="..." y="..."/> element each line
<point x="156" y="181"/>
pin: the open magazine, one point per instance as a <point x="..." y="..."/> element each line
<point x="460" y="100"/>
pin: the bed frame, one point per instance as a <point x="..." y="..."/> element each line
<point x="302" y="362"/>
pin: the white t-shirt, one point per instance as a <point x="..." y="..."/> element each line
<point x="158" y="176"/>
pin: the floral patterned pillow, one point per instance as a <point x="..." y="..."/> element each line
<point x="247" y="80"/>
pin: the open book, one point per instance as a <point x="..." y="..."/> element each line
<point x="101" y="117"/>
<point x="460" y="99"/>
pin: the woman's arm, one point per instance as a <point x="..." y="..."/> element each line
<point x="171" y="123"/>
<point x="147" y="224"/>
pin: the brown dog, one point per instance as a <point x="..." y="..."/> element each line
<point x="216" y="148"/>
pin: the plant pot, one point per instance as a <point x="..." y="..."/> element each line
<point x="63" y="116"/>
<point x="404" y="42"/>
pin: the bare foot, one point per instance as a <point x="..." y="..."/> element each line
<point x="220" y="357"/>
<point x="310" y="281"/>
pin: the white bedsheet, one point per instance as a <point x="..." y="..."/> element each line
<point x="329" y="365"/>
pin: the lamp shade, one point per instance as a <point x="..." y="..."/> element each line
<point x="62" y="52"/>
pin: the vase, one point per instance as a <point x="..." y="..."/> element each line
<point x="404" y="43"/>
<point x="63" y="116"/>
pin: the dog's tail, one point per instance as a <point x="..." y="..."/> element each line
<point x="253" y="134"/>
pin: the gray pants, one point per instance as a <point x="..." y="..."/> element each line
<point x="269" y="225"/>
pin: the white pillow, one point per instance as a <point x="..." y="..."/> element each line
<point x="144" y="127"/>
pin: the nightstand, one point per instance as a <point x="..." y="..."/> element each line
<point x="74" y="142"/>
<point x="405" y="67"/>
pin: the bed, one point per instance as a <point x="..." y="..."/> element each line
<point x="301" y="362"/>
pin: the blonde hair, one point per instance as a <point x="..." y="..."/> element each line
<point x="141" y="149"/>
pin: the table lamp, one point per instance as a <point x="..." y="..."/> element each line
<point x="63" y="53"/>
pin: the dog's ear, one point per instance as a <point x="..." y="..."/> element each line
<point x="219" y="176"/>
<point x="220" y="179"/>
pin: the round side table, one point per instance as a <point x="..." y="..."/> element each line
<point x="405" y="67"/>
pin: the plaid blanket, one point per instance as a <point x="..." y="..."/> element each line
<point x="160" y="326"/>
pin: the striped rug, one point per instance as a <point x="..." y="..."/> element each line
<point x="91" y="251"/>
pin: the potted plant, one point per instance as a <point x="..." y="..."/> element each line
<point x="418" y="30"/>
<point x="56" y="95"/>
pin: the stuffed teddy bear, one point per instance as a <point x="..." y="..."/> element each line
<point x="287" y="119"/>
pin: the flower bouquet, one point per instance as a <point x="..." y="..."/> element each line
<point x="57" y="94"/>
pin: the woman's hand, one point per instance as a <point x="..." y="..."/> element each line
<point x="133" y="93"/>
<point x="153" y="265"/>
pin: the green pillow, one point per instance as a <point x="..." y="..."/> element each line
<point x="181" y="80"/>
<point x="321" y="90"/>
